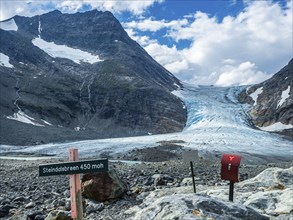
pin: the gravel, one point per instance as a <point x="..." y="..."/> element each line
<point x="25" y="195"/>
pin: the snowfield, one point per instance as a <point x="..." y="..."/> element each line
<point x="4" y="61"/>
<point x="8" y="25"/>
<point x="217" y="123"/>
<point x="64" y="51"/>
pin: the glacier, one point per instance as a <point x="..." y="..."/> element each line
<point x="216" y="123"/>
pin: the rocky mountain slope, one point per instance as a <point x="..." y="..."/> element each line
<point x="272" y="101"/>
<point x="77" y="76"/>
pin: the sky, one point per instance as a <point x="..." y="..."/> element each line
<point x="211" y="42"/>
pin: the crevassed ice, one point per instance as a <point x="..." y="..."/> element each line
<point x="9" y="25"/>
<point x="4" y="61"/>
<point x="63" y="51"/>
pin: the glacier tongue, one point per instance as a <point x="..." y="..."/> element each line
<point x="213" y="107"/>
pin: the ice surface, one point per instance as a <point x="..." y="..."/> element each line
<point x="64" y="51"/>
<point x="216" y="123"/>
<point x="9" y="25"/>
<point x="4" y="61"/>
<point x="285" y="95"/>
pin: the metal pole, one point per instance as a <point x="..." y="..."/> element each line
<point x="75" y="190"/>
<point x="192" y="176"/>
<point x="231" y="191"/>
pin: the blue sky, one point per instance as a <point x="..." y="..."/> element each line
<point x="232" y="42"/>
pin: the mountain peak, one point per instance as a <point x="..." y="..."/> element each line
<point x="81" y="72"/>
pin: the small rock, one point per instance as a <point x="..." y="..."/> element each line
<point x="40" y="217"/>
<point x="19" y="199"/>
<point x="94" y="207"/>
<point x="58" y="215"/>
<point x="158" y="180"/>
<point x="148" y="181"/>
<point x="30" y="205"/>
<point x="33" y="213"/>
<point x="4" y="210"/>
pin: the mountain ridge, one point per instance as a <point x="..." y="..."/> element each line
<point x="272" y="101"/>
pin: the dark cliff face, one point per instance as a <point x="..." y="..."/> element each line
<point x="275" y="100"/>
<point x="127" y="93"/>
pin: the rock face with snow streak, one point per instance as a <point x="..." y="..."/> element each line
<point x="272" y="101"/>
<point x="79" y="76"/>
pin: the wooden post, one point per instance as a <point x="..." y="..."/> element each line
<point x="75" y="190"/>
<point x="192" y="176"/>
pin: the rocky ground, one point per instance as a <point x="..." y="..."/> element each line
<point x="25" y="195"/>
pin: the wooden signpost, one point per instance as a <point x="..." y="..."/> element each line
<point x="74" y="168"/>
<point x="190" y="156"/>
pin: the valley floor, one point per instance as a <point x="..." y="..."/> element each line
<point x="217" y="123"/>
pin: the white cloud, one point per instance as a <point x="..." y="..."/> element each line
<point x="9" y="8"/>
<point x="69" y="6"/>
<point x="35" y="7"/>
<point x="245" y="49"/>
<point x="244" y="74"/>
<point x="150" y="24"/>
<point x="142" y="40"/>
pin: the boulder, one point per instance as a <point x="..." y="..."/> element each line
<point x="190" y="206"/>
<point x="160" y="179"/>
<point x="270" y="192"/>
<point x="103" y="186"/>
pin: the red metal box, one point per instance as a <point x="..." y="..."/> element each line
<point x="230" y="167"/>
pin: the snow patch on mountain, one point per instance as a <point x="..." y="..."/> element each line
<point x="255" y="94"/>
<point x="276" y="127"/>
<point x="47" y="123"/>
<point x="63" y="51"/>
<point x="40" y="28"/>
<point x="24" y="118"/>
<point x="284" y="96"/>
<point x="9" y="25"/>
<point x="4" y="61"/>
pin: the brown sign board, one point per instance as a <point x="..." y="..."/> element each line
<point x="190" y="156"/>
